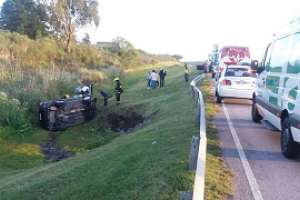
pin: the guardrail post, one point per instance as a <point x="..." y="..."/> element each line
<point x="194" y="153"/>
<point x="186" y="196"/>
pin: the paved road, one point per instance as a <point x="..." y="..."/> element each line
<point x="277" y="177"/>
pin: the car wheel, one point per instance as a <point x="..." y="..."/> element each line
<point x="219" y="99"/>
<point x="256" y="117"/>
<point x="288" y="146"/>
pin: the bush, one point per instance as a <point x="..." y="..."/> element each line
<point x="13" y="114"/>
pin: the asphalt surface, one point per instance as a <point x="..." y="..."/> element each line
<point x="278" y="178"/>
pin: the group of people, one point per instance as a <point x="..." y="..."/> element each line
<point x="155" y="80"/>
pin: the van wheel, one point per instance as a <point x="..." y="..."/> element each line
<point x="256" y="117"/>
<point x="219" y="99"/>
<point x="288" y="146"/>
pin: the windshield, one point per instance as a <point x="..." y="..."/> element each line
<point x="240" y="72"/>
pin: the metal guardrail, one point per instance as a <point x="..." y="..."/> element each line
<point x="198" y="190"/>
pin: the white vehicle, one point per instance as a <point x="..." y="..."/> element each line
<point x="277" y="98"/>
<point x="236" y="81"/>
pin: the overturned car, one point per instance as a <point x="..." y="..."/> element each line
<point x="56" y="115"/>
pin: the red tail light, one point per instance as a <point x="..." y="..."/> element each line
<point x="226" y="82"/>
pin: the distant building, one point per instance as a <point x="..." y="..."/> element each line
<point x="110" y="46"/>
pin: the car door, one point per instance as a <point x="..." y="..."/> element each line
<point x="291" y="83"/>
<point x="261" y="95"/>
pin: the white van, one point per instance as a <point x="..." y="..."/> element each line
<point x="277" y="97"/>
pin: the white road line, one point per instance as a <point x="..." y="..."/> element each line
<point x="250" y="176"/>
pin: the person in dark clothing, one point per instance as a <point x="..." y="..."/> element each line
<point x="162" y="76"/>
<point x="105" y="98"/>
<point x="118" y="90"/>
<point x="186" y="73"/>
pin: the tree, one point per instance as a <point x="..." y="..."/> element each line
<point x="177" y="57"/>
<point x="123" y="44"/>
<point x="67" y="16"/>
<point x="86" y="39"/>
<point x="24" y="16"/>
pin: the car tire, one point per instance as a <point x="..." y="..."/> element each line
<point x="256" y="117"/>
<point x="219" y="99"/>
<point x="288" y="145"/>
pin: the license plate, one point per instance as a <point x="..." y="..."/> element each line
<point x="241" y="82"/>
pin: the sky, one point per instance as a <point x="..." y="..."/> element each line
<point x="191" y="27"/>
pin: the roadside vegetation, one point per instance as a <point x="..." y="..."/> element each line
<point x="148" y="162"/>
<point x="218" y="183"/>
<point x="37" y="65"/>
<point x="32" y="71"/>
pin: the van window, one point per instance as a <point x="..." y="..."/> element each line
<point x="279" y="55"/>
<point x="294" y="59"/>
<point x="267" y="58"/>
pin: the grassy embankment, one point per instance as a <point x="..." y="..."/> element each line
<point x="36" y="70"/>
<point x="148" y="163"/>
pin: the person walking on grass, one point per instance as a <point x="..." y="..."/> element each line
<point x="186" y="73"/>
<point x="118" y="90"/>
<point x="162" y="76"/>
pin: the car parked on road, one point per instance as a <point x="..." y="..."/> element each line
<point x="277" y="96"/>
<point x="236" y="81"/>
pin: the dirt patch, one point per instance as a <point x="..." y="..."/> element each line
<point x="124" y="121"/>
<point x="52" y="150"/>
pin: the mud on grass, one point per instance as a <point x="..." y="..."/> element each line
<point x="124" y="121"/>
<point x="52" y="150"/>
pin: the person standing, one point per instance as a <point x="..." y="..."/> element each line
<point x="154" y="79"/>
<point x="186" y="73"/>
<point x="118" y="90"/>
<point x="105" y="98"/>
<point x="162" y="76"/>
<point x="148" y="79"/>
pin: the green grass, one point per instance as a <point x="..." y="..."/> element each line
<point x="218" y="182"/>
<point x="148" y="163"/>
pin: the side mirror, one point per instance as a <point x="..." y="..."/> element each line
<point x="260" y="69"/>
<point x="254" y="64"/>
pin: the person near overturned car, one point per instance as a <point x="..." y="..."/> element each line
<point x="162" y="76"/>
<point x="118" y="90"/>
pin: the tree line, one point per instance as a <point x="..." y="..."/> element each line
<point x="59" y="19"/>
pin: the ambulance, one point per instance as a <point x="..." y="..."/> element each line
<point x="231" y="55"/>
<point x="276" y="99"/>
